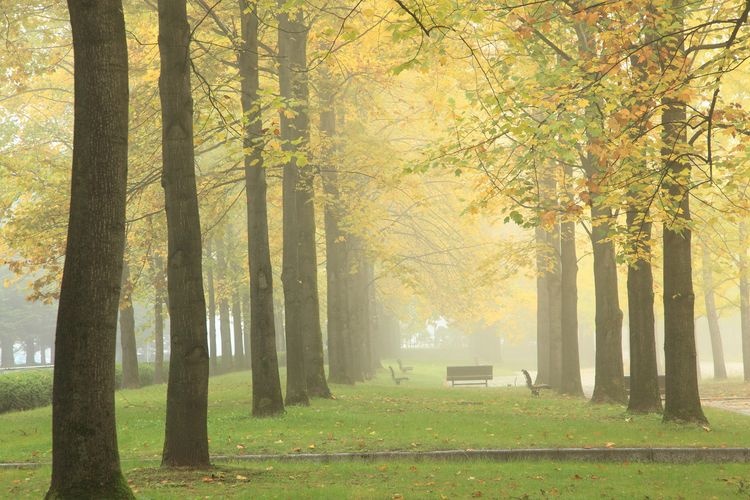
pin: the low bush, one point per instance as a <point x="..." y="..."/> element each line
<point x="24" y="390"/>
<point x="27" y="389"/>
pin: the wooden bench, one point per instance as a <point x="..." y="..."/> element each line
<point x="396" y="379"/>
<point x="534" y="388"/>
<point x="660" y="379"/>
<point x="469" y="375"/>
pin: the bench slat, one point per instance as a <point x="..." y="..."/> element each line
<point x="468" y="373"/>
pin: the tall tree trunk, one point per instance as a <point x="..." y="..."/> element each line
<point x="158" y="320"/>
<point x="554" y="282"/>
<point x="608" y="377"/>
<point x="682" y="400"/>
<point x="130" y="379"/>
<point x="239" y="349"/>
<point x="307" y="259"/>
<point x="359" y="312"/>
<point x="7" y="358"/>
<point x="293" y="87"/>
<point x="717" y="348"/>
<point x="337" y="267"/>
<point x="85" y="460"/>
<point x="212" y="340"/>
<point x="644" y="384"/>
<point x="542" y="306"/>
<point x="186" y="436"/>
<point x="570" y="382"/>
<point x="245" y="298"/>
<point x="30" y="350"/>
<point x="744" y="300"/>
<point x="225" y="329"/>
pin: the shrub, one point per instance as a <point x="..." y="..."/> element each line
<point x="27" y="389"/>
<point x="24" y="390"/>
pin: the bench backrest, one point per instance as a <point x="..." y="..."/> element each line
<point x="469" y="372"/>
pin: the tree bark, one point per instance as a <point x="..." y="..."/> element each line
<point x="158" y="320"/>
<point x="7" y="359"/>
<point x="186" y="437"/>
<point x="645" y="396"/>
<point x="239" y="349"/>
<point x="212" y="340"/>
<point x="30" y="351"/>
<point x="85" y="460"/>
<point x="291" y="43"/>
<point x="744" y="300"/>
<point x="570" y="382"/>
<point x="554" y="282"/>
<point x="225" y="330"/>
<point x="130" y="379"/>
<point x="682" y="400"/>
<point x="337" y="267"/>
<point x="717" y="348"/>
<point x="307" y="260"/>
<point x="609" y="377"/>
<point x="542" y="306"/>
<point x="245" y="298"/>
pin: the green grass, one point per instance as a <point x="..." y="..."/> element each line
<point x="398" y="479"/>
<point x="421" y="414"/>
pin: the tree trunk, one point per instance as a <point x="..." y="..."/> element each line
<point x="717" y="348"/>
<point x="294" y="131"/>
<point x="186" y="437"/>
<point x="7" y="359"/>
<point x="212" y="340"/>
<point x="85" y="460"/>
<point x="570" y="382"/>
<point x="554" y="282"/>
<point x="608" y="378"/>
<point x="744" y="300"/>
<point x="682" y="400"/>
<point x="542" y="306"/>
<point x="225" y="330"/>
<point x="644" y="384"/>
<point x="246" y="326"/>
<point x="130" y="379"/>
<point x="337" y="267"/>
<point x="158" y="320"/>
<point x="359" y="312"/>
<point x="239" y="349"/>
<point x="29" y="350"/>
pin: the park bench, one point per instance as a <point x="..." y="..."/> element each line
<point x="396" y="379"/>
<point x="534" y="388"/>
<point x="403" y="368"/>
<point x="469" y="375"/>
<point x="660" y="379"/>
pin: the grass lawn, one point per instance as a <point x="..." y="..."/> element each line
<point x="420" y="414"/>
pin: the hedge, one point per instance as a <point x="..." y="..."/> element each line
<point x="27" y="389"/>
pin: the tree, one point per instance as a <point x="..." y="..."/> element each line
<point x="712" y="316"/>
<point x="682" y="400"/>
<point x="130" y="379"/>
<point x="644" y="386"/>
<point x="267" y="398"/>
<point x="85" y="460"/>
<point x="186" y="435"/>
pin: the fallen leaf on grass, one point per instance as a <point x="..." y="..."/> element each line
<point x="240" y="477"/>
<point x="609" y="444"/>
